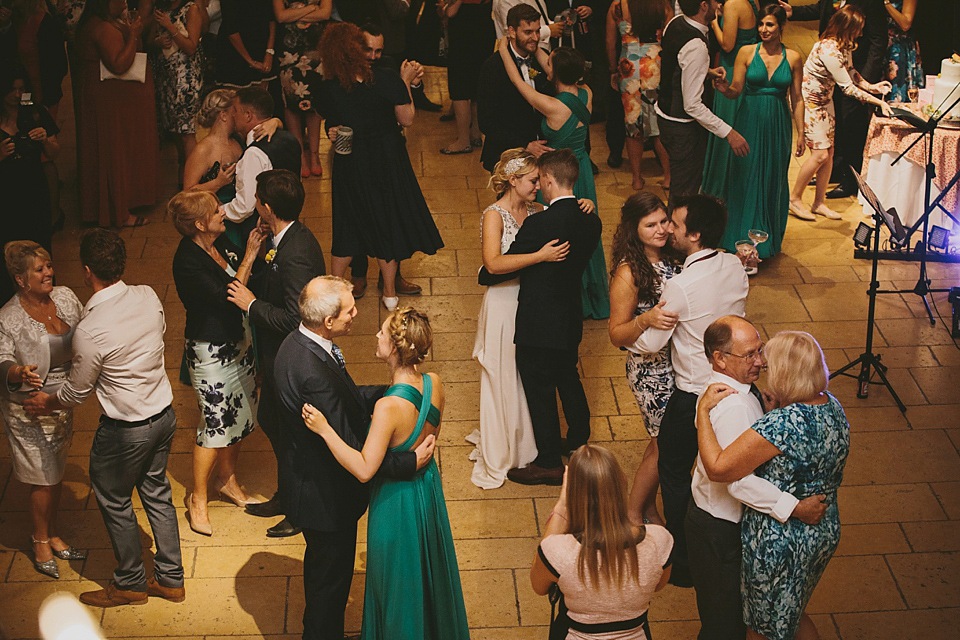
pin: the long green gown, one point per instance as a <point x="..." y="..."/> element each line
<point x="757" y="192"/>
<point x="594" y="290"/>
<point x="413" y="589"/>
<point x="718" y="149"/>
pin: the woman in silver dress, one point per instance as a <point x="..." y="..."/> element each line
<point x="36" y="332"/>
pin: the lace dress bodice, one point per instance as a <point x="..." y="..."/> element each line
<point x="510" y="225"/>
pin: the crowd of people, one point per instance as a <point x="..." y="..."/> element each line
<point x="714" y="94"/>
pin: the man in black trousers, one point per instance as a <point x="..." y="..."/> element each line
<point x="319" y="495"/>
<point x="550" y="318"/>
<point x="294" y="257"/>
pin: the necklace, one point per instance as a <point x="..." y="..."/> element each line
<point x="34" y="309"/>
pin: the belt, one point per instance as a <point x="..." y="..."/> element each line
<point x="607" y="627"/>
<point x="135" y="423"/>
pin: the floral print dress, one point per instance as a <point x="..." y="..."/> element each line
<point x="826" y="66"/>
<point x="904" y="67"/>
<point x="300" y="71"/>
<point x="639" y="78"/>
<point x="179" y="79"/>
<point x="783" y="562"/>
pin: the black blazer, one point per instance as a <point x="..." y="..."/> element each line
<point x="550" y="309"/>
<point x="202" y="287"/>
<point x="871" y="51"/>
<point x="317" y="492"/>
<point x="505" y="118"/>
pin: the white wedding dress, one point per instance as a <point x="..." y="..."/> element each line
<point x="505" y="438"/>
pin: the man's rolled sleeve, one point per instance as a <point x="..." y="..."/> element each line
<point x="653" y="340"/>
<point x="694" y="61"/>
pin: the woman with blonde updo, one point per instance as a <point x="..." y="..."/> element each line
<point x="213" y="163"/>
<point x="219" y="351"/>
<point x="505" y="438"/>
<point x="413" y="584"/>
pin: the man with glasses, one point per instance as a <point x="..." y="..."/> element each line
<point x="712" y="284"/>
<point x="735" y="351"/>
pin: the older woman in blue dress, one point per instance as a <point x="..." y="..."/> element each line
<point x="801" y="446"/>
<point x="36" y="332"/>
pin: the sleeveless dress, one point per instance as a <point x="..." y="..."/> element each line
<point x="413" y="584"/>
<point x="757" y="192"/>
<point x="783" y="562"/>
<point x="639" y="70"/>
<point x="904" y="67"/>
<point x="179" y="81"/>
<point x="651" y="375"/>
<point x="594" y="291"/>
<point x="505" y="438"/>
<point x="718" y="150"/>
<point x="299" y="66"/>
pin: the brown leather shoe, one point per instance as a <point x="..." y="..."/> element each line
<point x="173" y="594"/>
<point x="532" y="474"/>
<point x="111" y="596"/>
<point x="359" y="287"/>
<point x="404" y="286"/>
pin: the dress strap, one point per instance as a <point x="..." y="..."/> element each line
<point x="427" y="410"/>
<point x="576" y="104"/>
<point x="756" y="10"/>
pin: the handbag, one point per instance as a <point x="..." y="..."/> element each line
<point x="136" y="73"/>
<point x="559" y="622"/>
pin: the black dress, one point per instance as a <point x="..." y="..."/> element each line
<point x="378" y="208"/>
<point x="472" y="38"/>
<point x="250" y="19"/>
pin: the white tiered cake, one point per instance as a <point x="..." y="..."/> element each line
<point x="947" y="87"/>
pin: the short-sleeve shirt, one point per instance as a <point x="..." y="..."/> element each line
<point x="591" y="604"/>
<point x="368" y="108"/>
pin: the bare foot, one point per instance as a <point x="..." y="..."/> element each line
<point x="639" y="185"/>
<point x="825" y="211"/>
<point x="799" y="210"/>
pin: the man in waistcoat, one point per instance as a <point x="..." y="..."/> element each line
<point x="251" y="107"/>
<point x="682" y="108"/>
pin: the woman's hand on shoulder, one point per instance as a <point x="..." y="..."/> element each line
<point x="712" y="396"/>
<point x="315" y="420"/>
<point x="267" y="128"/>
<point x="586" y="205"/>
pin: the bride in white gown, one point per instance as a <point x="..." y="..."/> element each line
<point x="505" y="438"/>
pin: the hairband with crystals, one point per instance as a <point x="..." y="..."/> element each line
<point x="514" y="165"/>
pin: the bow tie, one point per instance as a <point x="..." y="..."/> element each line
<point x="521" y="61"/>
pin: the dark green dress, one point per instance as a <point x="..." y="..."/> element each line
<point x="757" y="192"/>
<point x="594" y="292"/>
<point x="413" y="583"/>
<point x="718" y="149"/>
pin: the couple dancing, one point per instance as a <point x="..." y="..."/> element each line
<point x="412" y="581"/>
<point x="529" y="333"/>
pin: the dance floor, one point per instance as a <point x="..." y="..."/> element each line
<point x="896" y="574"/>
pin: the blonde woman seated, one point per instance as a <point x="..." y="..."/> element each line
<point x="607" y="568"/>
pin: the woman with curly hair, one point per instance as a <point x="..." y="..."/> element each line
<point x="644" y="260"/>
<point x="378" y="208"/>
<point x="413" y="588"/>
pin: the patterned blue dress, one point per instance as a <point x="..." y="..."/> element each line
<point x="904" y="68"/>
<point x="782" y="563"/>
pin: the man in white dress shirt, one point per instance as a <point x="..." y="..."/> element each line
<point x="682" y="114"/>
<point x="735" y="351"/>
<point x="118" y="354"/>
<point x="712" y="284"/>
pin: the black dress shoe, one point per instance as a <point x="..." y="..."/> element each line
<point x="269" y="509"/>
<point x="283" y="529"/>
<point x="841" y="191"/>
<point x="532" y="474"/>
<point x="614" y="162"/>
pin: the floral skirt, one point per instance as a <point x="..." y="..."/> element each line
<point x="652" y="380"/>
<point x="224" y="377"/>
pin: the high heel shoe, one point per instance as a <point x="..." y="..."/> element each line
<point x="196" y="527"/>
<point x="48" y="568"/>
<point x="70" y="553"/>
<point x="226" y="496"/>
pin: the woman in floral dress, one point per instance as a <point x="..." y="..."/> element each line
<point x="300" y="25"/>
<point x="177" y="68"/>
<point x="220" y="356"/>
<point x="801" y="446"/>
<point x="645" y="260"/>
<point x="637" y="76"/>
<point x="904" y="67"/>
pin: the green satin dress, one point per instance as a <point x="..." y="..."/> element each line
<point x="718" y="149"/>
<point x="595" y="288"/>
<point x="413" y="584"/>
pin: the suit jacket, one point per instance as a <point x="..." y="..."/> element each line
<point x="275" y="312"/>
<point x="317" y="492"/>
<point x="871" y="50"/>
<point x="550" y="308"/>
<point x="505" y="118"/>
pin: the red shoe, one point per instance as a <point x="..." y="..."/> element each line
<point x="317" y="170"/>
<point x="304" y="172"/>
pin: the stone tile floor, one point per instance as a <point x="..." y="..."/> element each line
<point x="896" y="573"/>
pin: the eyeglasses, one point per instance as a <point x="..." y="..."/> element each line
<point x="753" y="355"/>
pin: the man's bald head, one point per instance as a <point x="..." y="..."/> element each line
<point x="733" y="346"/>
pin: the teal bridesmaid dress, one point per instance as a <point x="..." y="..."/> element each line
<point x="595" y="288"/>
<point x="413" y="584"/>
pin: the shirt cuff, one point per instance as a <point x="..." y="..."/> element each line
<point x="250" y="306"/>
<point x="784" y="507"/>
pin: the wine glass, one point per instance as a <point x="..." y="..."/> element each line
<point x="913" y="93"/>
<point x="759" y="236"/>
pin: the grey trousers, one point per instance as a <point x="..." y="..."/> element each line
<point x="686" y="144"/>
<point x="123" y="458"/>
<point x="713" y="549"/>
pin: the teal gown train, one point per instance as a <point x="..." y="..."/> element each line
<point x="594" y="291"/>
<point x="757" y="192"/>
<point x="413" y="584"/>
<point x="718" y="149"/>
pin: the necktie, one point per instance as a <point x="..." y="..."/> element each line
<point x="338" y="356"/>
<point x="759" y="396"/>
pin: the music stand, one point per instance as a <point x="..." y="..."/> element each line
<point x="868" y="360"/>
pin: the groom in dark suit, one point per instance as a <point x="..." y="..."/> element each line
<point x="550" y="318"/>
<point x="294" y="257"/>
<point x="507" y="120"/>
<point x="319" y="495"/>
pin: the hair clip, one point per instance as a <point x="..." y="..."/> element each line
<point x="514" y="165"/>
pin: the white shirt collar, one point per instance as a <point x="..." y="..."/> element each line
<point x="316" y="337"/>
<point x="561" y="198"/>
<point x="525" y="58"/>
<point x="693" y="257"/>
<point x="279" y="235"/>
<point x="740" y="387"/>
<point x="701" y="27"/>
<point x="105" y="294"/>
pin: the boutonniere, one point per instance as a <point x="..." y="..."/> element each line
<point x="270" y="256"/>
<point x="533" y="73"/>
<point x="231" y="256"/>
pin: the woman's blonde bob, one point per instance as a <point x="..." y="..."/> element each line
<point x="796" y="369"/>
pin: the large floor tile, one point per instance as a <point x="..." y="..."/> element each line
<point x="927" y="580"/>
<point x="897" y="625"/>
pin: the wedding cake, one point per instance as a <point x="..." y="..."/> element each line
<point x="946" y="89"/>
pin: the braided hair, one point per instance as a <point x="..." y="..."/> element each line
<point x="411" y="334"/>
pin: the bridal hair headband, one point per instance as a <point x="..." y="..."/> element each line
<point x="514" y="165"/>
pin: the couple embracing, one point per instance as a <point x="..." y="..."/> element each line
<point x="336" y="458"/>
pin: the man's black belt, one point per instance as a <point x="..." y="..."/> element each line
<point x="135" y="423"/>
<point x="607" y="627"/>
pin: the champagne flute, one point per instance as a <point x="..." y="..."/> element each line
<point x="912" y="94"/>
